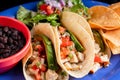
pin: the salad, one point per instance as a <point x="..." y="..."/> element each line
<point x="49" y="11"/>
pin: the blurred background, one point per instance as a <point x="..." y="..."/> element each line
<point x="5" y="4"/>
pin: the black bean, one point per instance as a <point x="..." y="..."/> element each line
<point x="0" y="33"/>
<point x="5" y="39"/>
<point x="7" y="46"/>
<point x="5" y="29"/>
<point x="19" y="37"/>
<point x="14" y="37"/>
<point x="12" y="46"/>
<point x="15" y="33"/>
<point x="1" y="39"/>
<point x="3" y="35"/>
<point x="10" y="40"/>
<point x="7" y="50"/>
<point x="2" y="45"/>
<point x="9" y="33"/>
<point x="15" y="42"/>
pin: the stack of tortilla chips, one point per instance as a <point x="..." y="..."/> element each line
<point x="107" y="19"/>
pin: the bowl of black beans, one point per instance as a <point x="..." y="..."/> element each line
<point x="15" y="42"/>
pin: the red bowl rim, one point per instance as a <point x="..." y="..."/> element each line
<point x="27" y="41"/>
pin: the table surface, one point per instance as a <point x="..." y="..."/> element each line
<point x="16" y="70"/>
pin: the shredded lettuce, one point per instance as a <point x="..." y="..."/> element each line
<point x="24" y="16"/>
<point x="53" y="19"/>
<point x="23" y="13"/>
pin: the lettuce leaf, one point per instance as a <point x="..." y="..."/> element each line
<point x="30" y="18"/>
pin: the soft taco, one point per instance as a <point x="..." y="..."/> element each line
<point x="75" y="48"/>
<point x="74" y="22"/>
<point x="102" y="51"/>
<point x="40" y="63"/>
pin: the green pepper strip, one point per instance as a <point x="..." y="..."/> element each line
<point x="78" y="46"/>
<point x="99" y="40"/>
<point x="51" y="59"/>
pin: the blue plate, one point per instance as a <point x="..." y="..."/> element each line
<point x="110" y="73"/>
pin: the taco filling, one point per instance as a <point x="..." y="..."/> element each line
<point x="70" y="50"/>
<point x="101" y="55"/>
<point x="42" y="64"/>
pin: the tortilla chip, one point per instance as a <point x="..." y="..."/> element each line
<point x="114" y="49"/>
<point x="94" y="25"/>
<point x="113" y="36"/>
<point x="104" y="17"/>
<point x="113" y="40"/>
<point x="115" y="7"/>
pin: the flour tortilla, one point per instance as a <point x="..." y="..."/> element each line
<point x="24" y="61"/>
<point x="86" y="40"/>
<point x="47" y="30"/>
<point x="71" y="17"/>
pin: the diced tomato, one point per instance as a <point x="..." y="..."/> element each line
<point x="65" y="44"/>
<point x="49" y="10"/>
<point x="43" y="68"/>
<point x="97" y="59"/>
<point x="34" y="67"/>
<point x="66" y="41"/>
<point x="43" y="7"/>
<point x="64" y="52"/>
